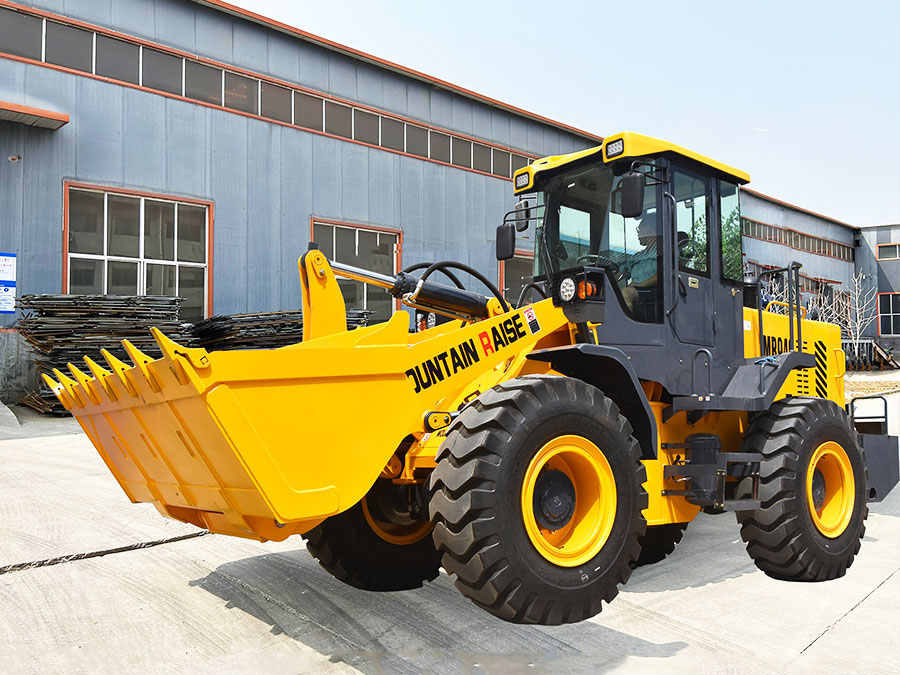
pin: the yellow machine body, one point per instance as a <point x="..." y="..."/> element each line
<point x="269" y="443"/>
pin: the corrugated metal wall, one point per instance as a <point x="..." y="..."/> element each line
<point x="814" y="265"/>
<point x="265" y="180"/>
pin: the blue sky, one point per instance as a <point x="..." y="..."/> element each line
<point x="805" y="96"/>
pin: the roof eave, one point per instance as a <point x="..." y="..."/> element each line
<point x="389" y="65"/>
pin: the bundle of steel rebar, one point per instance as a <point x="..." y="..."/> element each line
<point x="63" y="329"/>
<point x="259" y="331"/>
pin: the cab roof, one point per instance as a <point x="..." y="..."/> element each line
<point x="632" y="146"/>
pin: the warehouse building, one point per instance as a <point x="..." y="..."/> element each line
<point x="776" y="233"/>
<point x="880" y="257"/>
<point x="193" y="148"/>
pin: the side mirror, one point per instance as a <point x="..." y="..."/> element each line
<point x="523" y="215"/>
<point x="632" y="194"/>
<point x="506" y="242"/>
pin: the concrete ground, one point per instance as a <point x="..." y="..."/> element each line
<point x="215" y="604"/>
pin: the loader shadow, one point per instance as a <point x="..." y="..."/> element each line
<point x="429" y="630"/>
<point x="711" y="552"/>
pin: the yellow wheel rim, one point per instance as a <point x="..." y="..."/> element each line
<point x="831" y="504"/>
<point x="586" y="532"/>
<point x="393" y="533"/>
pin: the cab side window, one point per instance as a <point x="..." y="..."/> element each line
<point x="692" y="222"/>
<point x="730" y="210"/>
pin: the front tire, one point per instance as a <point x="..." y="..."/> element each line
<point x="537" y="500"/>
<point x="373" y="547"/>
<point x="812" y="491"/>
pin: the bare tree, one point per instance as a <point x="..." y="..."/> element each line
<point x="862" y="296"/>
<point x="831" y="306"/>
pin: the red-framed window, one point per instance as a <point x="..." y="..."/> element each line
<point x="889" y="314"/>
<point x="514" y="273"/>
<point x="887" y="251"/>
<point x="378" y="249"/>
<point x="129" y="242"/>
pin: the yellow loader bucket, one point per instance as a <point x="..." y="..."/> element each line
<point x="256" y="443"/>
<point x="268" y="443"/>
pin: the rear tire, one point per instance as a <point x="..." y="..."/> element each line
<point x="361" y="549"/>
<point x="659" y="542"/>
<point x="497" y="475"/>
<point x="812" y="490"/>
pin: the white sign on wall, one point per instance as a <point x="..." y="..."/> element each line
<point x="7" y="283"/>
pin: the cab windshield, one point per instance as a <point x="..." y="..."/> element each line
<point x="582" y="226"/>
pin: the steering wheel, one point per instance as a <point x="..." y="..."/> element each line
<point x="600" y="261"/>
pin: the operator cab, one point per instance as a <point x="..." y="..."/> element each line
<point x="639" y="242"/>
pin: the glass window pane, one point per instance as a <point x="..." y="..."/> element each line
<point x="159" y="230"/>
<point x="191" y="233"/>
<point x="20" y="34"/>
<point x="391" y="134"/>
<point x="730" y="214"/>
<point x="338" y="119"/>
<point x="240" y="92"/>
<point x="69" y="46"/>
<point x="276" y="102"/>
<point x="895" y="324"/>
<point x="202" y="82"/>
<point x="693" y="233"/>
<point x="440" y="146"/>
<point x="365" y="127"/>
<point x="353" y="292"/>
<point x="117" y="59"/>
<point x="501" y="163"/>
<point x="307" y="111"/>
<point x="481" y="157"/>
<point x="517" y="272"/>
<point x="462" y="152"/>
<point x="161" y="71"/>
<point x="345" y="246"/>
<point x="123" y="222"/>
<point x="895" y="303"/>
<point x="884" y="304"/>
<point x="191" y="288"/>
<point x="323" y="235"/>
<point x="160" y="280"/>
<point x="416" y="140"/>
<point x="885" y="325"/>
<point x="122" y="278"/>
<point x="85" y="276"/>
<point x="379" y="301"/>
<point x="376" y="252"/>
<point x="85" y="222"/>
<point x="518" y="162"/>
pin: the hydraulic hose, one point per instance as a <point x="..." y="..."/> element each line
<point x="465" y="268"/>
<point x="530" y="286"/>
<point x="425" y="265"/>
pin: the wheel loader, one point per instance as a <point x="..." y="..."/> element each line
<point x="537" y="451"/>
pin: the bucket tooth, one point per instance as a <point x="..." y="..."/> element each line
<point x="84" y="380"/>
<point x="69" y="385"/>
<point x="169" y="349"/>
<point x="101" y="374"/>
<point x="140" y="360"/>
<point x="196" y="356"/>
<point x="60" y="391"/>
<point x="119" y="368"/>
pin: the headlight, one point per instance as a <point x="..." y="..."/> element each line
<point x="567" y="289"/>
<point x="522" y="180"/>
<point x="615" y="148"/>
